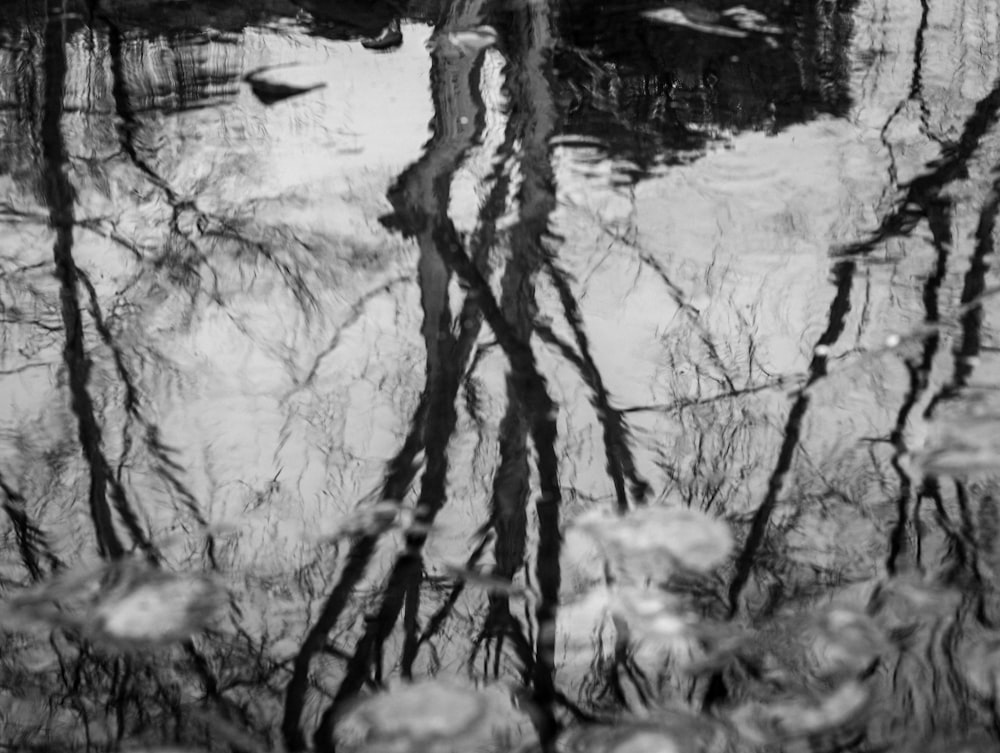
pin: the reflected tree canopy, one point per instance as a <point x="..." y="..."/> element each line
<point x="521" y="376"/>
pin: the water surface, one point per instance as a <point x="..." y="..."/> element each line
<point x="328" y="329"/>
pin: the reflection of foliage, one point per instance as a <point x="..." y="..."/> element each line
<point x="801" y="679"/>
<point x="646" y="90"/>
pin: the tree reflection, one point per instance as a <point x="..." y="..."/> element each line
<point x="507" y="355"/>
<point x="421" y="200"/>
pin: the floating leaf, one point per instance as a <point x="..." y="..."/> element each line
<point x="57" y="602"/>
<point x="654" y="541"/>
<point x="652" y="613"/>
<point x="738" y="22"/>
<point x="846" y="644"/>
<point x="671" y="732"/>
<point x="431" y="716"/>
<point x="618" y="740"/>
<point x="158" y="608"/>
<point x="764" y="723"/>
<point x="276" y="83"/>
<point x="906" y="602"/>
<point x="695" y="18"/>
<point x="390" y="38"/>
<point x="464" y="42"/>
<point x="123" y="603"/>
<point x="485" y="581"/>
<point x="749" y="19"/>
<point x="369" y="520"/>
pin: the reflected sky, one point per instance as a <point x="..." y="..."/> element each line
<point x="365" y="342"/>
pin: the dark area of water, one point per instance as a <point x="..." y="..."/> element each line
<point x="499" y="375"/>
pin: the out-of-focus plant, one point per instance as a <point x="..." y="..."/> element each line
<point x="434" y="716"/>
<point x="672" y="732"/>
<point x="121" y="605"/>
<point x="654" y="542"/>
